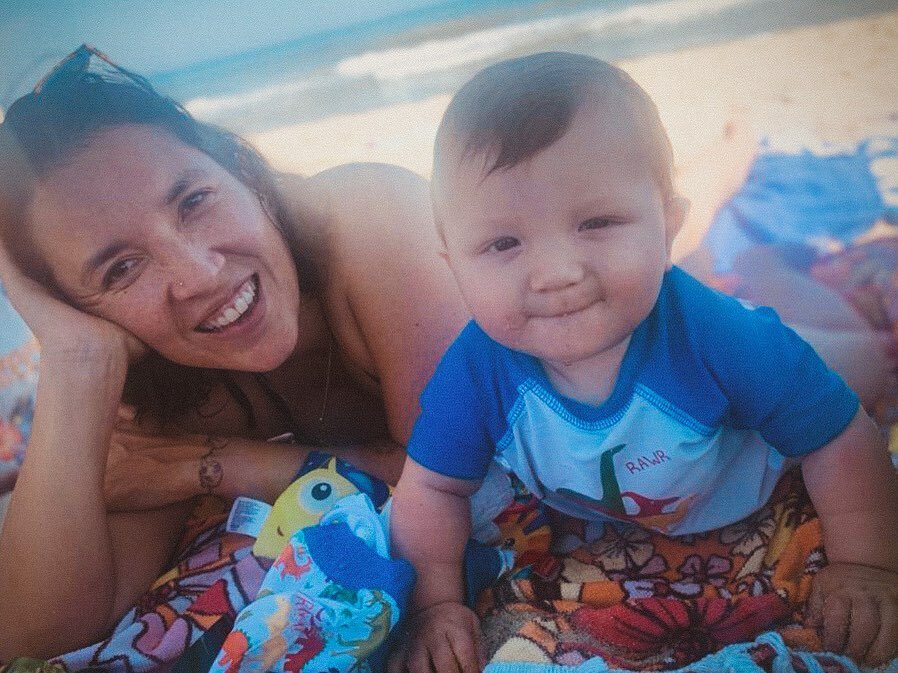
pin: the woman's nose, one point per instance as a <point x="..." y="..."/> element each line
<point x="195" y="270"/>
<point x="555" y="268"/>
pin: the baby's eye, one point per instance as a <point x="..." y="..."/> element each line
<point x="503" y="244"/>
<point x="119" y="271"/>
<point x="593" y="223"/>
<point x="192" y="201"/>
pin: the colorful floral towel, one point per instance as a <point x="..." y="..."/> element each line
<point x="631" y="599"/>
<point x="731" y="599"/>
<point x="214" y="577"/>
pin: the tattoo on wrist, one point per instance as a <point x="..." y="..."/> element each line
<point x="211" y="471"/>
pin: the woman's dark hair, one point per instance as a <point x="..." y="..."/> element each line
<point x="60" y="117"/>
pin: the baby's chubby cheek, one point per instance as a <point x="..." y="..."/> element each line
<point x="496" y="308"/>
<point x="507" y="327"/>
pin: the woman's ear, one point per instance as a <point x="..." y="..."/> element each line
<point x="675" y="211"/>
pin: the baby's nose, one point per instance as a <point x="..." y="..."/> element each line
<point x="555" y="269"/>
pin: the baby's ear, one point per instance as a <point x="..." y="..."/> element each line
<point x="675" y="210"/>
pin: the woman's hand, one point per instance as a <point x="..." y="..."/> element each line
<point x="61" y="329"/>
<point x="145" y="471"/>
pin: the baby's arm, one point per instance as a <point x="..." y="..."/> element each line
<point x="855" y="491"/>
<point x="430" y="523"/>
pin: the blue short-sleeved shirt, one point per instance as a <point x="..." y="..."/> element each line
<point x="712" y="401"/>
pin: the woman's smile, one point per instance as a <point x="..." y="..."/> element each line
<point x="236" y="311"/>
<point x="172" y="247"/>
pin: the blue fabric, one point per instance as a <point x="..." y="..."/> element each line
<point x="13" y="331"/>
<point x="733" y="658"/>
<point x="482" y="566"/>
<point x="328" y="602"/>
<point x="797" y="198"/>
<point x="710" y="398"/>
<point x="348" y="561"/>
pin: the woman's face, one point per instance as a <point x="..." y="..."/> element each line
<point x="154" y="235"/>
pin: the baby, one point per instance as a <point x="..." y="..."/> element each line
<point x="611" y="383"/>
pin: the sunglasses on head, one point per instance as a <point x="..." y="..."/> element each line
<point x="80" y="62"/>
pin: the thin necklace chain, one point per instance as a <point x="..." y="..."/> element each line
<point x="281" y="403"/>
<point x="327" y="378"/>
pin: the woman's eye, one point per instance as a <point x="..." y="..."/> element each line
<point x="118" y="272"/>
<point x="192" y="201"/>
<point x="593" y="223"/>
<point x="503" y="244"/>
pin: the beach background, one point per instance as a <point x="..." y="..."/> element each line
<point x="725" y="74"/>
<point x="369" y="82"/>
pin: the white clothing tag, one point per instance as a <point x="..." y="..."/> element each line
<point x="247" y="516"/>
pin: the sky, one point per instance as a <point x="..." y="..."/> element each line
<point x="156" y="36"/>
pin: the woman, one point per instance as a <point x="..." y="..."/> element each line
<point x="167" y="241"/>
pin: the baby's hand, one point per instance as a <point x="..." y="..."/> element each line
<point x="855" y="609"/>
<point x="443" y="638"/>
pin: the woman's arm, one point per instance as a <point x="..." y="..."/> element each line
<point x="150" y="471"/>
<point x="55" y="540"/>
<point x="68" y="571"/>
<point x="66" y="568"/>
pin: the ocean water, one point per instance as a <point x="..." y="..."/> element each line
<point x="433" y="50"/>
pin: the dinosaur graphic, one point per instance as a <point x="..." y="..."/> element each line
<point x="611" y="498"/>
<point x="649" y="506"/>
<point x="288" y="565"/>
<point x="232" y="651"/>
<point x="379" y="624"/>
<point x="311" y="642"/>
<point x="652" y="515"/>
<point x="651" y="512"/>
<point x="611" y="502"/>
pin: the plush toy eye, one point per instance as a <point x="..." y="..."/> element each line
<point x="318" y="496"/>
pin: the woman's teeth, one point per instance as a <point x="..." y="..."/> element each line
<point x="245" y="297"/>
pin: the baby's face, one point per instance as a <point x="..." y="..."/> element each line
<point x="563" y="255"/>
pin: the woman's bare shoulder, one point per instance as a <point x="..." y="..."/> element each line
<point x="388" y="290"/>
<point x="360" y="209"/>
<point x="374" y="198"/>
<point x="379" y="225"/>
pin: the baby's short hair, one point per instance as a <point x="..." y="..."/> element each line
<point x="512" y="110"/>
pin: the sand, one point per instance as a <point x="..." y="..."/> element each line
<point x="834" y="83"/>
